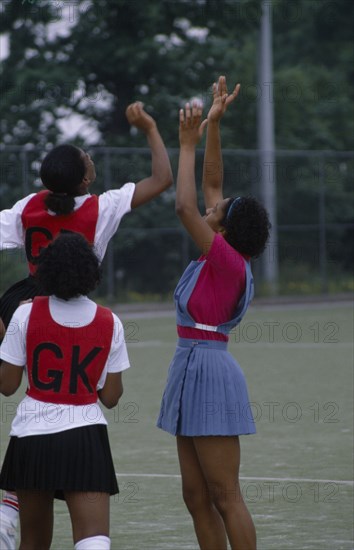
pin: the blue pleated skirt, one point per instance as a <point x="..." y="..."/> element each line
<point x="205" y="393"/>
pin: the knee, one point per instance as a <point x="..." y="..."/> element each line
<point x="196" y="501"/>
<point x="224" y="498"/>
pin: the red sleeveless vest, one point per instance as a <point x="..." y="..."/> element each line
<point x="64" y="364"/>
<point x="41" y="227"/>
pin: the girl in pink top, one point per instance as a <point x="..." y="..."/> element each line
<point x="205" y="403"/>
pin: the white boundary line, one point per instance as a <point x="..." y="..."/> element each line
<point x="237" y="345"/>
<point x="158" y="312"/>
<point x="288" y="479"/>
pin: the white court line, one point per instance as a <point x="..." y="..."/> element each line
<point x="273" y="345"/>
<point x="294" y="479"/>
<point x="305" y="306"/>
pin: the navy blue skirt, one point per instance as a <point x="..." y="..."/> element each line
<point x="73" y="460"/>
<point x="206" y="392"/>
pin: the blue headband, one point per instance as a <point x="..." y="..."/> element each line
<point x="232" y="206"/>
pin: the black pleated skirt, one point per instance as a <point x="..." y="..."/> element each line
<point x="22" y="290"/>
<point x="79" y="459"/>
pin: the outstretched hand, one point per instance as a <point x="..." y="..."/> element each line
<point x="190" y="126"/>
<point x="139" y="118"/>
<point x="221" y="99"/>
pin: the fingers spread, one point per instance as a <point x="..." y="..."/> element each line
<point x="197" y="110"/>
<point x="190" y="116"/>
<point x="236" y="91"/>
<point x="234" y="94"/>
<point x="222" y="86"/>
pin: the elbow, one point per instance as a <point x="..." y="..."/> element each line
<point x="113" y="400"/>
<point x="7" y="391"/>
<point x="163" y="175"/>
<point x="166" y="180"/>
<point x="111" y="403"/>
<point x="169" y="179"/>
<point x="179" y="209"/>
<point x="184" y="211"/>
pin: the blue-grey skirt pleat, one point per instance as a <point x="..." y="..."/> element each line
<point x="205" y="393"/>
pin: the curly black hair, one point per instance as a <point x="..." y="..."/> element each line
<point x="62" y="171"/>
<point x="68" y="267"/>
<point x="247" y="226"/>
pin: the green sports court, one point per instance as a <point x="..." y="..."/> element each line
<point x="296" y="472"/>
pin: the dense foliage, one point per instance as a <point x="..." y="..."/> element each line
<point x="92" y="58"/>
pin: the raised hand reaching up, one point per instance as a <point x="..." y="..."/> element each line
<point x="213" y="165"/>
<point x="221" y="99"/>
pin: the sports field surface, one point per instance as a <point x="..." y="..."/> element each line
<point x="296" y="472"/>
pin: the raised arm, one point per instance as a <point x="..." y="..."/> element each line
<point x="161" y="173"/>
<point x="190" y="132"/>
<point x="213" y="164"/>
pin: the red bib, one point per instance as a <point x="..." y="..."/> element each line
<point x="41" y="227"/>
<point x="64" y="364"/>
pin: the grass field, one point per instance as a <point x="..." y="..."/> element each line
<point x="296" y="471"/>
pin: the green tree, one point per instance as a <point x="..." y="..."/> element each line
<point x="313" y="60"/>
<point x="108" y="53"/>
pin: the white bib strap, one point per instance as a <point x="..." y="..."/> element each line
<point x="210" y="328"/>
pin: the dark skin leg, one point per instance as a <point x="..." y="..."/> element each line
<point x="36" y="519"/>
<point x="217" y="460"/>
<point x="208" y="524"/>
<point x="89" y="513"/>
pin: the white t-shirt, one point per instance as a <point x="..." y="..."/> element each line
<point x="112" y="206"/>
<point x="35" y="417"/>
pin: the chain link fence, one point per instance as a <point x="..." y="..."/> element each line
<point x="315" y="220"/>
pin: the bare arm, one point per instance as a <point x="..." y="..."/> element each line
<point x="2" y="329"/>
<point x="112" y="390"/>
<point x="190" y="131"/>
<point x="10" y="378"/>
<point x="213" y="164"/>
<point x="161" y="173"/>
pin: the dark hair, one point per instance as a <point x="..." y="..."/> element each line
<point x="62" y="171"/>
<point x="68" y="267"/>
<point x="247" y="226"/>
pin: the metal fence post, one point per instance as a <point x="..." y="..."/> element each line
<point x="107" y="180"/>
<point x="322" y="226"/>
<point x="24" y="170"/>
